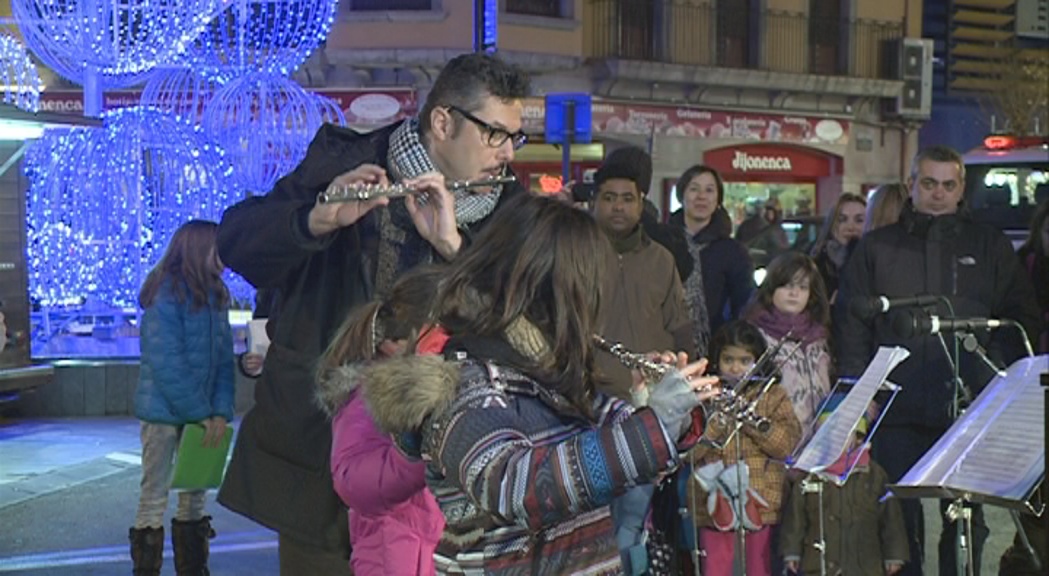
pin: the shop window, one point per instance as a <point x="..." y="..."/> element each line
<point x="546" y="8"/>
<point x="375" y="5"/>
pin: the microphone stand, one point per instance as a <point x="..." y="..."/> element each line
<point x="972" y="346"/>
<point x="957" y="511"/>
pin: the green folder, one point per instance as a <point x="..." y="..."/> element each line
<point x="197" y="467"/>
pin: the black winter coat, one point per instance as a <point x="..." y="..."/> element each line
<point x="973" y="265"/>
<point x="279" y="474"/>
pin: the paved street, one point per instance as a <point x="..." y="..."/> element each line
<point x="69" y="488"/>
<point x="66" y="510"/>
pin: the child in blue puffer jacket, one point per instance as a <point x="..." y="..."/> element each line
<point x="186" y="377"/>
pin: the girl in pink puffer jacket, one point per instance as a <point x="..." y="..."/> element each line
<point x="395" y="523"/>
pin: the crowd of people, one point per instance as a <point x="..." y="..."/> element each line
<point x="434" y="399"/>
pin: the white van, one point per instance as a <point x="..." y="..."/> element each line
<point x="1005" y="179"/>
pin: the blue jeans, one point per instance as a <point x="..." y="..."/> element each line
<point x="629" y="512"/>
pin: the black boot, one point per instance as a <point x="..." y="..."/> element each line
<point x="147" y="550"/>
<point x="190" y="542"/>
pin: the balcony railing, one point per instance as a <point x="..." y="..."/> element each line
<point x="692" y="32"/>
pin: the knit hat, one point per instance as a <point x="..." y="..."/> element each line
<point x="832" y="404"/>
<point x="629" y="163"/>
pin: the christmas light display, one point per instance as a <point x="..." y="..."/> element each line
<point x="103" y="203"/>
<point x="270" y="36"/>
<point x="18" y="75"/>
<point x="265" y="123"/>
<point x="120" y="39"/>
<point x="181" y="91"/>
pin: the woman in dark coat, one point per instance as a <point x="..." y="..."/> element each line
<point x="723" y="279"/>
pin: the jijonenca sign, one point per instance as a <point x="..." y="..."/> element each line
<point x="744" y="162"/>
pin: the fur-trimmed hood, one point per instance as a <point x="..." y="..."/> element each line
<point x="335" y="388"/>
<point x="400" y="392"/>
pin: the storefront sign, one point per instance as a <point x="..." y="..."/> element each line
<point x="363" y="107"/>
<point x="744" y="163"/>
<point x="652" y="120"/>
<point x="757" y="160"/>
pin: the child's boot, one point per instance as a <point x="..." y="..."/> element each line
<point x="147" y="550"/>
<point x="190" y="542"/>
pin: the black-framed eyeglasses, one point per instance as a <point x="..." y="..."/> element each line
<point x="493" y="135"/>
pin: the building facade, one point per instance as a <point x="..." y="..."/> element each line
<point x="982" y="46"/>
<point x="796" y="99"/>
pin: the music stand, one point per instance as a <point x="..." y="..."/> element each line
<point x="994" y="454"/>
<point x="836" y="434"/>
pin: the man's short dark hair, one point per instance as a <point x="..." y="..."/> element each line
<point x="938" y="154"/>
<point x="468" y="79"/>
<point x="628" y="163"/>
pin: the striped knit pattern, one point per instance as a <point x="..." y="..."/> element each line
<point x="525" y="489"/>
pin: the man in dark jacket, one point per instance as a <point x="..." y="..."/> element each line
<point x="934" y="249"/>
<point x="326" y="259"/>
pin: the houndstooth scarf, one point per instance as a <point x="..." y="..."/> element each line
<point x="408" y="158"/>
<point x="400" y="246"/>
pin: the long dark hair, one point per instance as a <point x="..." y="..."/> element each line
<point x="781" y="272"/>
<point x="189" y="263"/>
<point x="542" y="260"/>
<point x="399" y="316"/>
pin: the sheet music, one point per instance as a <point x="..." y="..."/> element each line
<point x="996" y="450"/>
<point x="835" y="435"/>
<point x="258" y="340"/>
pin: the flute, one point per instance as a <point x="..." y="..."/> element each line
<point x="367" y="191"/>
<point x="650" y="371"/>
<point x="727" y="401"/>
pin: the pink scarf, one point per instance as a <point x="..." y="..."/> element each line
<point x="778" y="324"/>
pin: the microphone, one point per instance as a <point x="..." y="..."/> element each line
<point x="911" y="325"/>
<point x="867" y="307"/>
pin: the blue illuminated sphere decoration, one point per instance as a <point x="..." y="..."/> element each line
<point x="18" y="75"/>
<point x="265" y="123"/>
<point x="181" y="91"/>
<point x="270" y="36"/>
<point x="103" y="203"/>
<point x="119" y="38"/>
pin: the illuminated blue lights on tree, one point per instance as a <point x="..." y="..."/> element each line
<point x="103" y="203"/>
<point x="121" y="39"/>
<point x="265" y="123"/>
<point x="18" y="75"/>
<point x="270" y="36"/>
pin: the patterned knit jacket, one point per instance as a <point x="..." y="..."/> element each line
<point x="523" y="485"/>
